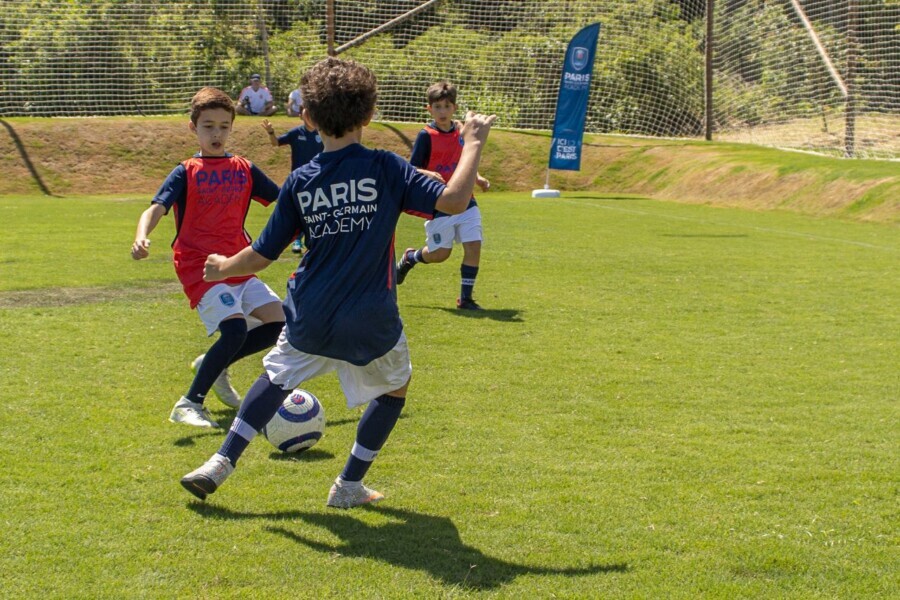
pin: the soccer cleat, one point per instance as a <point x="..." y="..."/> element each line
<point x="209" y="477"/>
<point x="347" y="494"/>
<point x="404" y="265"/>
<point x="297" y="246"/>
<point x="221" y="387"/>
<point x="467" y="304"/>
<point x="192" y="413"/>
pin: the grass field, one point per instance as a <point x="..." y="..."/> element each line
<point x="663" y="400"/>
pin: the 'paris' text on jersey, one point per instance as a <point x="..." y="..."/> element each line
<point x="363" y="190"/>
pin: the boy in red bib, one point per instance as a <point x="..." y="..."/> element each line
<point x="210" y="195"/>
<point x="436" y="153"/>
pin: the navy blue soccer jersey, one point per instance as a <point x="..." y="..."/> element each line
<point x="341" y="302"/>
<point x="304" y="145"/>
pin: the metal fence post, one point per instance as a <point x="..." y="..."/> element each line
<point x="710" y="6"/>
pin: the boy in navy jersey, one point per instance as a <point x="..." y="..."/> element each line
<point x="304" y="145"/>
<point x="341" y="304"/>
<point x="210" y="194"/>
<point x="436" y="153"/>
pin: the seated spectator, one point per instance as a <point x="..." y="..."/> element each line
<point x="255" y="99"/>
<point x="294" y="105"/>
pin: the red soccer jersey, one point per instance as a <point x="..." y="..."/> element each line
<point x="211" y="197"/>
<point x="439" y="151"/>
<point x="446" y="148"/>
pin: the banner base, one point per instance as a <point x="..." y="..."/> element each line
<point x="545" y="193"/>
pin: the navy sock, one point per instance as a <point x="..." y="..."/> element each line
<point x="419" y="257"/>
<point x="467" y="275"/>
<point x="258" y="339"/>
<point x="257" y="409"/>
<point x="232" y="334"/>
<point x="372" y="432"/>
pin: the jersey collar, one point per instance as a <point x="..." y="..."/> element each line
<point x="434" y="126"/>
<point x="226" y="155"/>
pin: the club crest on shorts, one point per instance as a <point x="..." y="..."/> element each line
<point x="579" y="58"/>
<point x="437" y="238"/>
<point x="226" y="298"/>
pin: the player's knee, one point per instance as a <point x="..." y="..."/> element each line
<point x="233" y="332"/>
<point x="401" y="391"/>
<point x="269" y="313"/>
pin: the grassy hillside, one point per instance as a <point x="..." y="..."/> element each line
<point x="128" y="155"/>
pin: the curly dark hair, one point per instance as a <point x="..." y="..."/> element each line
<point x="442" y="90"/>
<point x="208" y="98"/>
<point x="339" y="94"/>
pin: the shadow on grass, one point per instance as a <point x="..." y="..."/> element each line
<point x="507" y="315"/>
<point x="311" y="455"/>
<point x="26" y="158"/>
<point x="339" y="422"/>
<point x="225" y="424"/>
<point x="411" y="540"/>
<point x="399" y="134"/>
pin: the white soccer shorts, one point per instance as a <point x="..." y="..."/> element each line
<point x="288" y="367"/>
<point x="223" y="300"/>
<point x="443" y="231"/>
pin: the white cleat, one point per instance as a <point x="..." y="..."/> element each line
<point x="347" y="494"/>
<point x="221" y="387"/>
<point x="209" y="477"/>
<point x="192" y="413"/>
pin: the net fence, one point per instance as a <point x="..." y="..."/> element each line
<point x="820" y="75"/>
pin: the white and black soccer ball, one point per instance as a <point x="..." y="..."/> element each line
<point x="298" y="424"/>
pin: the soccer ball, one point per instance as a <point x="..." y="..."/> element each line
<point x="298" y="424"/>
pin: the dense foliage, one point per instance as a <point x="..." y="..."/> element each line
<point x="91" y="57"/>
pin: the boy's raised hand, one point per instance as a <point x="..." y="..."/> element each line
<point x="477" y="126"/>
<point x="267" y="125"/>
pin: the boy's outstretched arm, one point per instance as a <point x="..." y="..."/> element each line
<point x="246" y="262"/>
<point x="146" y="224"/>
<point x="458" y="192"/>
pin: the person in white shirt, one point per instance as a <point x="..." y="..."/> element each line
<point x="294" y="105"/>
<point x="255" y="99"/>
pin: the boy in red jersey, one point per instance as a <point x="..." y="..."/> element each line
<point x="211" y="194"/>
<point x="436" y="153"/>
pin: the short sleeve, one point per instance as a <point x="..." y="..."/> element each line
<point x="288" y="137"/>
<point x="421" y="152"/>
<point x="172" y="189"/>
<point x="283" y="225"/>
<point x="420" y="191"/>
<point x="264" y="190"/>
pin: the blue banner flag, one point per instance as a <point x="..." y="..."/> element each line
<point x="571" y="105"/>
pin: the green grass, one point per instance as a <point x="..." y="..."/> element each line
<point x="663" y="400"/>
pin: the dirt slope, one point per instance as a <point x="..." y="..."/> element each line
<point x="131" y="156"/>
